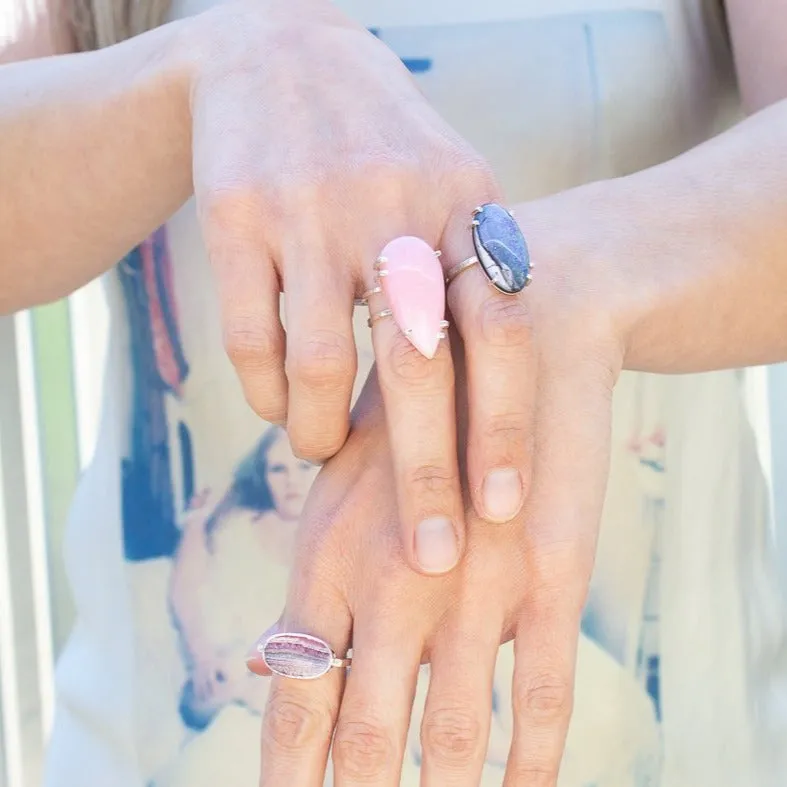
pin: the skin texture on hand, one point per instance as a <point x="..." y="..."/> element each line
<point x="308" y="148"/>
<point x="527" y="579"/>
<point x="530" y="582"/>
<point x="307" y="203"/>
<point x="642" y="272"/>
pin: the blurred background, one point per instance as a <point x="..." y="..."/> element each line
<point x="49" y="409"/>
<point x="50" y="404"/>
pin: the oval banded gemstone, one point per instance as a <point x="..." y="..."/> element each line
<point x="299" y="656"/>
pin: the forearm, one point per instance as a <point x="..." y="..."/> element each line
<point x="95" y="153"/>
<point x="692" y="253"/>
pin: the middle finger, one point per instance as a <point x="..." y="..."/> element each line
<point x="417" y="381"/>
<point x="455" y="727"/>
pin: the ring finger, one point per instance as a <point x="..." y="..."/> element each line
<point x="300" y="714"/>
<point x="495" y="328"/>
<point x="369" y="745"/>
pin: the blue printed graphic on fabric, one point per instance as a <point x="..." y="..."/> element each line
<point x="415" y="65"/>
<point x="159" y="368"/>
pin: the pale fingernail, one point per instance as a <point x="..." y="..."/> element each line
<point x="436" y="547"/>
<point x="255" y="664"/>
<point x="502" y="494"/>
<point x="254" y="660"/>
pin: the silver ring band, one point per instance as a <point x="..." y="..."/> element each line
<point x="364" y="299"/>
<point x="381" y="315"/>
<point x="460" y="268"/>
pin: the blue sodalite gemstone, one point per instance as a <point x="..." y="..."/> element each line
<point x="501" y="249"/>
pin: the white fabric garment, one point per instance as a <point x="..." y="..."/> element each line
<point x="679" y="675"/>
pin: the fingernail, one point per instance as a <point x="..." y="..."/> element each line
<point x="502" y="494"/>
<point x="254" y="661"/>
<point x="436" y="547"/>
<point x="254" y="650"/>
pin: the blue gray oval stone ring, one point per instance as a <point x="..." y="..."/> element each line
<point x="500" y="250"/>
<point x="300" y="656"/>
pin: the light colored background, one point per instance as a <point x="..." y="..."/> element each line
<point x="49" y="414"/>
<point x="50" y="404"/>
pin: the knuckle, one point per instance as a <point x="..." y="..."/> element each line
<point x="452" y="736"/>
<point x="473" y="173"/>
<point x="432" y="481"/>
<point x="324" y="361"/>
<point x="534" y="773"/>
<point x="272" y="409"/>
<point x="508" y="435"/>
<point x="301" y="191"/>
<point x="411" y="370"/>
<point x="362" y="749"/>
<point x="251" y="345"/>
<point x="558" y="567"/>
<point x="232" y="212"/>
<point x="316" y="445"/>
<point x="546" y="697"/>
<point x="504" y="321"/>
<point x="290" y="724"/>
<point x="389" y="178"/>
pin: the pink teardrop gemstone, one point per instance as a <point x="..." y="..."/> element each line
<point x="415" y="289"/>
<point x="298" y="656"/>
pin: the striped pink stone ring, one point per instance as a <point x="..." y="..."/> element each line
<point x="300" y="656"/>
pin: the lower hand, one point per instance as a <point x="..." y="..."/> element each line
<point x="526" y="580"/>
<point x="612" y="288"/>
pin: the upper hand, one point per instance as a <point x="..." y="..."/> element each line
<point x="313" y="148"/>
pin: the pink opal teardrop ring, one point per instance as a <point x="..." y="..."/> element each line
<point x="300" y="656"/>
<point x="408" y="273"/>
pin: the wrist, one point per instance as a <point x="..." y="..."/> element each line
<point x="710" y="246"/>
<point x="681" y="265"/>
